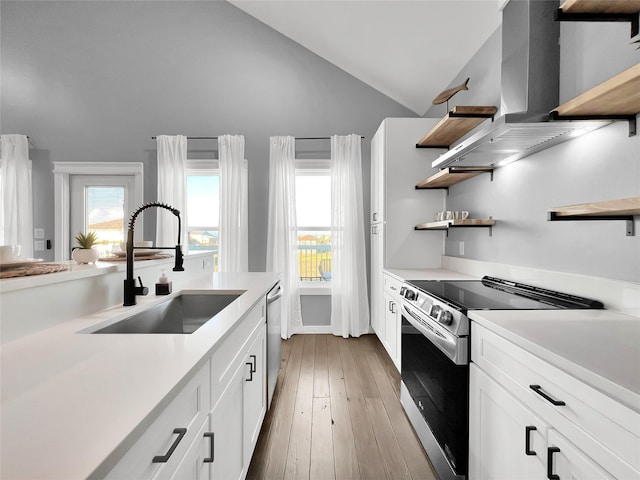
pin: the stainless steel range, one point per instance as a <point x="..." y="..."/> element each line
<point x="435" y="356"/>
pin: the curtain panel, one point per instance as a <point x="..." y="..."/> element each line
<point x="233" y="244"/>
<point x="349" y="298"/>
<point x="172" y="157"/>
<point x="16" y="202"/>
<point x="282" y="251"/>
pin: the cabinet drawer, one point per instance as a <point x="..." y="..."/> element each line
<point x="187" y="410"/>
<point x="392" y="285"/>
<point x="603" y="428"/>
<point x="231" y="352"/>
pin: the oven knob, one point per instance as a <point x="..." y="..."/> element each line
<point x="402" y="290"/>
<point x="410" y="295"/>
<point x="446" y="318"/>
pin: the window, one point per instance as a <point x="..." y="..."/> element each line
<point x="100" y="203"/>
<point x="313" y="212"/>
<point x="203" y="206"/>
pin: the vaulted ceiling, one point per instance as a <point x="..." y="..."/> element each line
<point x="410" y="50"/>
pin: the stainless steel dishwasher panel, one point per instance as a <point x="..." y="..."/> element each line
<point x="273" y="339"/>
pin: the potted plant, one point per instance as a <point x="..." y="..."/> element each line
<point x="85" y="253"/>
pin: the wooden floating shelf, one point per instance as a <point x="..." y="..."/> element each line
<point x="601" y="11"/>
<point x="446" y="224"/>
<point x="457" y="123"/>
<point x="452" y="175"/>
<point x="601" y="6"/>
<point x="620" y="95"/>
<point x="622" y="209"/>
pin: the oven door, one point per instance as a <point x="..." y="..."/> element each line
<point x="439" y="390"/>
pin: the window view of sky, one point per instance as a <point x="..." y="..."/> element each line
<point x="203" y="200"/>
<point x="313" y="200"/>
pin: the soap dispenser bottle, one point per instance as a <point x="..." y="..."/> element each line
<point x="163" y="287"/>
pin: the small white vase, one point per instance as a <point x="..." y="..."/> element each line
<point x="85" y="255"/>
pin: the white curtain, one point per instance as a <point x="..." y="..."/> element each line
<point x="282" y="249"/>
<point x="172" y="156"/>
<point x="16" y="194"/>
<point x="234" y="225"/>
<point x="349" y="300"/>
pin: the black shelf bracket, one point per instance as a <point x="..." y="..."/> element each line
<point x="632" y="18"/>
<point x="629" y="118"/>
<point x="628" y="219"/>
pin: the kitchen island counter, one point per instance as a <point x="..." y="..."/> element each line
<point x="73" y="403"/>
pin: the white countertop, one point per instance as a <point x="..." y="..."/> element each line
<point x="599" y="347"/>
<point x="72" y="403"/>
<point x="428" y="274"/>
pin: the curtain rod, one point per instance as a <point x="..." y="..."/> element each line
<point x="317" y="138"/>
<point x="194" y="138"/>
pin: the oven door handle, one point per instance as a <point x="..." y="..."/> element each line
<point x="455" y="348"/>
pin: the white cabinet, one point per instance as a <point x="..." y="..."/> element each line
<point x="397" y="207"/>
<point x="227" y="430"/>
<point x="210" y="429"/>
<point x="167" y="440"/>
<point x="254" y="398"/>
<point x="506" y="440"/>
<point x="580" y="433"/>
<point x="389" y="333"/>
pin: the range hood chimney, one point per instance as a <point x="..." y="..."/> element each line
<point x="530" y="78"/>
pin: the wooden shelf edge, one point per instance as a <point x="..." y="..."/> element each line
<point x="620" y="95"/>
<point x="446" y="224"/>
<point x="623" y="207"/>
<point x="457" y="123"/>
<point x="600" y="6"/>
<point x="450" y="176"/>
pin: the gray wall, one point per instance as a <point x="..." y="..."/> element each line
<point x="603" y="165"/>
<point x="93" y="81"/>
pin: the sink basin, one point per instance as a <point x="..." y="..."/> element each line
<point x="182" y="314"/>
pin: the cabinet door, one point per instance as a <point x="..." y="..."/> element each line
<point x="377" y="298"/>
<point x="391" y="325"/>
<point x="255" y="393"/>
<point x="226" y="427"/>
<point x="377" y="176"/>
<point x="501" y="432"/>
<point x="569" y="463"/>
<point x="193" y="465"/>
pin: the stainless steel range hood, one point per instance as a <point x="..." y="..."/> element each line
<point x="530" y="90"/>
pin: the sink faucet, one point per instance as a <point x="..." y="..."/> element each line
<point x="130" y="288"/>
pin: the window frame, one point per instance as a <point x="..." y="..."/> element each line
<point x="313" y="167"/>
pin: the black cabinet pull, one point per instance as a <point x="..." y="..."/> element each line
<point x="250" y="379"/>
<point x="550" y="474"/>
<point x="254" y="363"/>
<point x="553" y="401"/>
<point x="211" y="447"/>
<point x="165" y="458"/>
<point x="527" y="439"/>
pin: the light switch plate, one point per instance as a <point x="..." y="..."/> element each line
<point x="39" y="245"/>
<point x="38" y="233"/>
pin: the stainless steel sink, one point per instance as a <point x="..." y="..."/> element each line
<point x="182" y="314"/>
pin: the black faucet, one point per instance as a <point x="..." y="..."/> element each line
<point x="130" y="289"/>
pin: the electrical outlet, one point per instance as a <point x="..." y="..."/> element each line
<point x="461" y="248"/>
<point x="38" y="233"/>
<point x="39" y="245"/>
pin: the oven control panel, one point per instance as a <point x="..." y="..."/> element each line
<point x="449" y="317"/>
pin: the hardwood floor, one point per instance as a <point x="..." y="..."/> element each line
<point x="336" y="414"/>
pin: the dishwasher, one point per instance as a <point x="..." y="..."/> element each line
<point x="274" y="337"/>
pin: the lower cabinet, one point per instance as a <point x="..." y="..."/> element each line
<point x="210" y="429"/>
<point x="530" y="420"/>
<point x="389" y="318"/>
<point x="506" y="440"/>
